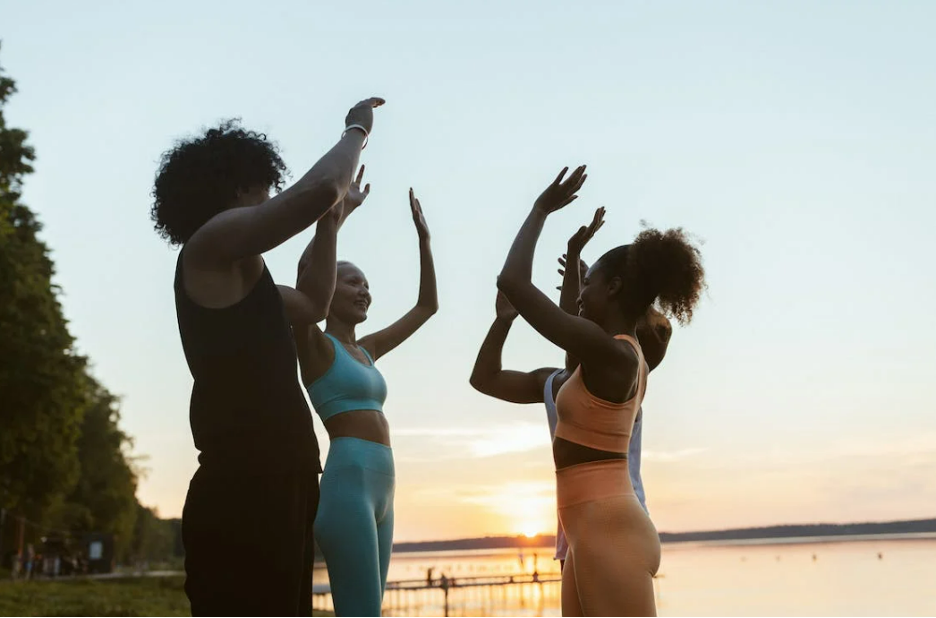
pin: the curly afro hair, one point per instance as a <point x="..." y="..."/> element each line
<point x="201" y="177"/>
<point x="661" y="268"/>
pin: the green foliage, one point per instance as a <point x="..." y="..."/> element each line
<point x="64" y="462"/>
<point x="103" y="498"/>
<point x="41" y="376"/>
<point x="154" y="539"/>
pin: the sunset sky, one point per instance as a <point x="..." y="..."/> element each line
<point x="797" y="140"/>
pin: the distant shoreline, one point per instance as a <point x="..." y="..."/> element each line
<point x="770" y="535"/>
<point x="806" y="540"/>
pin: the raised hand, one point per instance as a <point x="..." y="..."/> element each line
<point x="355" y="196"/>
<point x="505" y="311"/>
<point x="362" y="114"/>
<point x="585" y="233"/>
<point x="559" y="193"/>
<point x="583" y="268"/>
<point x="418" y="218"/>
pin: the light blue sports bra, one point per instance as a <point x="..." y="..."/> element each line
<point x="348" y="385"/>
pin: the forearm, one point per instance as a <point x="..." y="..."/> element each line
<point x="306" y="258"/>
<point x="252" y="231"/>
<point x="317" y="279"/>
<point x="428" y="294"/>
<point x="323" y="186"/>
<point x="571" y="282"/>
<point x="518" y="269"/>
<point x="337" y="166"/>
<point x="489" y="363"/>
<point x="568" y="297"/>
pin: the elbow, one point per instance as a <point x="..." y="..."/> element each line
<point x="506" y="283"/>
<point x="427" y="308"/>
<point x="477" y="382"/>
<point x="511" y="285"/>
<point x="323" y="192"/>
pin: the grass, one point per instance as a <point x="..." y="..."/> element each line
<point x="130" y="596"/>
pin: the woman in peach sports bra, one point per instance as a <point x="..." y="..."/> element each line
<point x="614" y="548"/>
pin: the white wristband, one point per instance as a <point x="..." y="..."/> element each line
<point x="363" y="130"/>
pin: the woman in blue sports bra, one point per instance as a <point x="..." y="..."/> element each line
<point x="354" y="524"/>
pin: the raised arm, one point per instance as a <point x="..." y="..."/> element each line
<point x="317" y="280"/>
<point x="572" y="277"/>
<point x="300" y="310"/>
<point x="580" y="337"/>
<point x="491" y="379"/>
<point x="318" y="264"/>
<point x="383" y="341"/>
<point x="252" y="230"/>
<point x="352" y="200"/>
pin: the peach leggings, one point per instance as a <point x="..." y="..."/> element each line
<point x="614" y="548"/>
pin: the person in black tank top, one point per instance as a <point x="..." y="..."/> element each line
<point x="247" y="520"/>
<point x="251" y="501"/>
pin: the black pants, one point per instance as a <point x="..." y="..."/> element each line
<point x="247" y="537"/>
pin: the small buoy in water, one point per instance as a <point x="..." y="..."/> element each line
<point x="814" y="557"/>
<point x="880" y="556"/>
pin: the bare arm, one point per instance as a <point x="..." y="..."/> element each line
<point x="490" y="378"/>
<point x="317" y="281"/>
<point x="318" y="264"/>
<point x="568" y="299"/>
<point x="571" y="283"/>
<point x="241" y="232"/>
<point x="572" y="277"/>
<point x="580" y="337"/>
<point x="352" y="200"/>
<point x="300" y="310"/>
<point x="383" y="341"/>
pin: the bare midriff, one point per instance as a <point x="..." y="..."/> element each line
<point x="369" y="425"/>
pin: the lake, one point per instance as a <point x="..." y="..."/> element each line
<point x="886" y="575"/>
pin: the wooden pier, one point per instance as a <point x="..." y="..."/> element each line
<point x="404" y="594"/>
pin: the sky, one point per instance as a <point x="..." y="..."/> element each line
<point x="795" y="140"/>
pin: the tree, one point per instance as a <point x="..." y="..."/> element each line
<point x="104" y="496"/>
<point x="154" y="539"/>
<point x="41" y="376"/>
<point x="64" y="461"/>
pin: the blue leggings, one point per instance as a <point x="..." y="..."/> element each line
<point x="354" y="525"/>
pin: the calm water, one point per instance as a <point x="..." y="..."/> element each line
<point x="876" y="576"/>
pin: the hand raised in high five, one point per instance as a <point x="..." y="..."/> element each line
<point x="583" y="268"/>
<point x="355" y="196"/>
<point x="578" y="241"/>
<point x="559" y="193"/>
<point x="418" y="218"/>
<point x="362" y="114"/>
<point x="585" y="233"/>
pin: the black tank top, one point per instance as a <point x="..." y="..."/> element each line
<point x="247" y="410"/>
